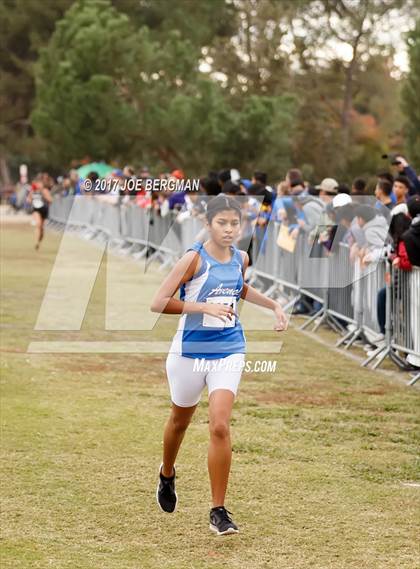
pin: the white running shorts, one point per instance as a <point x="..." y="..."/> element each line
<point x="187" y="377"/>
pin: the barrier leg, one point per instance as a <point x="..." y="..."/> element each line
<point x="358" y="333"/>
<point x="314" y="317"/>
<point x="273" y="288"/>
<point x="381" y="358"/>
<point x="415" y="379"/>
<point x="344" y="338"/>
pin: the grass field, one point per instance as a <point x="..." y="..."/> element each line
<point x="325" y="472"/>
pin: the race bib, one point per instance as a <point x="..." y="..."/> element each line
<point x="37" y="202"/>
<point x="213" y="321"/>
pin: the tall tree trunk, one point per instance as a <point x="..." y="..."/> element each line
<point x="4" y="172"/>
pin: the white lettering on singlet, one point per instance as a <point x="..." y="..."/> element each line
<point x="219" y="290"/>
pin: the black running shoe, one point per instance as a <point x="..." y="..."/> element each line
<point x="166" y="496"/>
<point x="220" y="521"/>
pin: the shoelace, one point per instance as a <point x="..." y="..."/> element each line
<point x="225" y="514"/>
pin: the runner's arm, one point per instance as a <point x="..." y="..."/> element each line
<point x="164" y="301"/>
<point x="47" y="195"/>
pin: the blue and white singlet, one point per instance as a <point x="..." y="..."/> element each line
<point x="203" y="336"/>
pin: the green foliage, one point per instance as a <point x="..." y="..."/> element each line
<point x="124" y="80"/>
<point x="260" y="134"/>
<point x="26" y="26"/>
<point x="411" y="96"/>
<point x="111" y="92"/>
<point x="80" y="106"/>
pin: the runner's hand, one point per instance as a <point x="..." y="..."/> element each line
<point x="221" y="311"/>
<point x="281" y="319"/>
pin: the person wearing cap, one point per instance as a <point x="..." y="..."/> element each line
<point x="328" y="188"/>
<point x="345" y="212"/>
<point x="341" y="200"/>
<point x="176" y="199"/>
<point x="314" y="206"/>
<point x="338" y="232"/>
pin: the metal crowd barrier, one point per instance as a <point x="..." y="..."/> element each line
<point x="405" y="314"/>
<point x="346" y="292"/>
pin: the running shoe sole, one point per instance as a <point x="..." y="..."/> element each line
<point x="229" y="531"/>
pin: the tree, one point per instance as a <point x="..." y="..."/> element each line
<point x="410" y="96"/>
<point x="26" y="26"/>
<point x="82" y="102"/>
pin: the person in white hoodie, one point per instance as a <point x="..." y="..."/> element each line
<point x="375" y="229"/>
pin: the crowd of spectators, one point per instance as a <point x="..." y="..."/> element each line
<point x="370" y="215"/>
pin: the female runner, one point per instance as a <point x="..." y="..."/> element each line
<point x="210" y="277"/>
<point x="40" y="198"/>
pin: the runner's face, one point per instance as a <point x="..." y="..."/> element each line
<point x="224" y="228"/>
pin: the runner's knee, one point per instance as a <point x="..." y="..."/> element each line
<point x="179" y="424"/>
<point x="219" y="429"/>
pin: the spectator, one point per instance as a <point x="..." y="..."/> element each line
<point x="232" y="189"/>
<point x="358" y="187"/>
<point x="383" y="191"/>
<point x="261" y="177"/>
<point x="195" y="206"/>
<point x="387" y="176"/>
<point x="245" y="185"/>
<point x="375" y="229"/>
<point x="401" y="188"/>
<point x="411" y="237"/>
<point x="223" y="177"/>
<point x="145" y="173"/>
<point x="343" y="189"/>
<point x="327" y="189"/>
<point x="75" y="188"/>
<point x="264" y="213"/>
<point x="176" y="199"/>
<point x="313" y="211"/>
<point x="294" y="180"/>
<point x="399" y="223"/>
<point x="210" y="186"/>
<point x="278" y="212"/>
<point x="404" y="169"/>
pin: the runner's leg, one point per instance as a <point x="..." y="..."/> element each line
<point x="186" y="385"/>
<point x="223" y="385"/>
<point x="175" y="428"/>
<point x="220" y="449"/>
<point x="38" y="228"/>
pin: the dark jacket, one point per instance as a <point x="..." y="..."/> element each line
<point x="411" y="239"/>
<point x="415" y="182"/>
